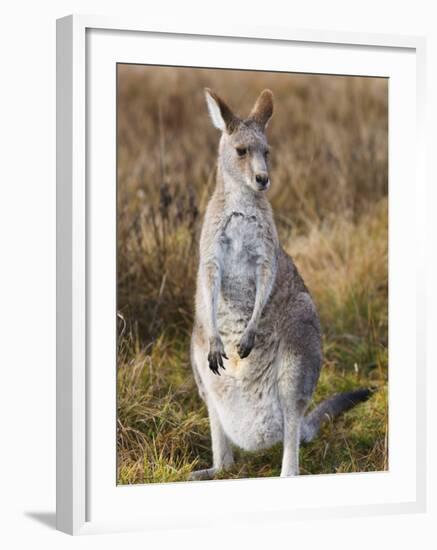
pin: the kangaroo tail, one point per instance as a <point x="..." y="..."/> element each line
<point x="330" y="409"/>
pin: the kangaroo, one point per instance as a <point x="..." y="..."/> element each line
<point x="256" y="348"/>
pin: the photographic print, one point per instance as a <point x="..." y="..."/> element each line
<point x="252" y="274"/>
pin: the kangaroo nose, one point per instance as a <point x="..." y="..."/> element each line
<point x="262" y="179"/>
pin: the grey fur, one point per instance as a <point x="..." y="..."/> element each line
<point x="256" y="344"/>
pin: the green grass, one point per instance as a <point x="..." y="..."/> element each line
<point x="329" y="196"/>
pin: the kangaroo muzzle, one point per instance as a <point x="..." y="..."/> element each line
<point x="262" y="181"/>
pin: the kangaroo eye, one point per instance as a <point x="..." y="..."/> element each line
<point x="241" y="151"/>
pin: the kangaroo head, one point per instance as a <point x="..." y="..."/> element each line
<point x="243" y="151"/>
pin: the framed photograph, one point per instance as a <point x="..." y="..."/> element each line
<point x="240" y="265"/>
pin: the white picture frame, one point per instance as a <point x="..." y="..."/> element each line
<point x="81" y="486"/>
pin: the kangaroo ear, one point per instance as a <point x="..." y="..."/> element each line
<point x="222" y="117"/>
<point x="263" y="109"/>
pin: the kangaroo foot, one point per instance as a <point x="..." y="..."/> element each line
<point x="198" y="475"/>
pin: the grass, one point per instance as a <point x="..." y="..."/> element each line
<point x="329" y="194"/>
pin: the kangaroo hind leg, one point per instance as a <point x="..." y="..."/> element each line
<point x="298" y="377"/>
<point x="221" y="448"/>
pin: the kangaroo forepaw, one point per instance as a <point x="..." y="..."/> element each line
<point x="216" y="355"/>
<point x="246" y="343"/>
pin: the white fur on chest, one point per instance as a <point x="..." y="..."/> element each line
<point x="240" y="239"/>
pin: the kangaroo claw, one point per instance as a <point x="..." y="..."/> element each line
<point x="246" y="343"/>
<point x="215" y="356"/>
<point x="215" y="360"/>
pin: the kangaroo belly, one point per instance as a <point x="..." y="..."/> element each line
<point x="247" y="402"/>
<point x="251" y="416"/>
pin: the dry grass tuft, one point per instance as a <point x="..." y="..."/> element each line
<point x="329" y="194"/>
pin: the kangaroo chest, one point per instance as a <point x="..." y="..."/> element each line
<point x="242" y="245"/>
